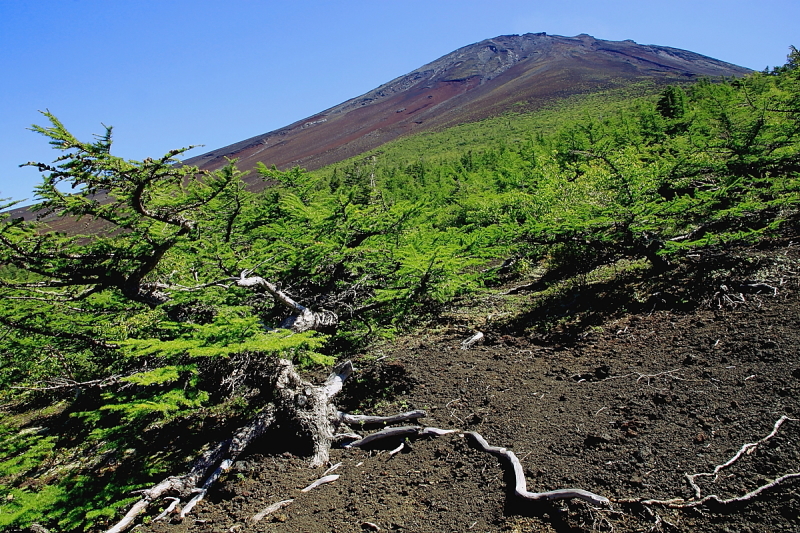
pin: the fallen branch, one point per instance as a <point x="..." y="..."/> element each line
<point x="521" y="487"/>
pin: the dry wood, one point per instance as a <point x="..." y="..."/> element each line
<point x="298" y="402"/>
<point x="170" y="508"/>
<point x="398" y="449"/>
<point x="186" y="484"/>
<point x="403" y="431"/>
<point x="303" y="318"/>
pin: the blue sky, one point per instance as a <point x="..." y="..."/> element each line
<point x="168" y="74"/>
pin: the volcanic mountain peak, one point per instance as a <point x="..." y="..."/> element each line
<point x="490" y="58"/>
<point x="474" y="82"/>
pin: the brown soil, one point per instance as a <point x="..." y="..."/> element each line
<point x="624" y="409"/>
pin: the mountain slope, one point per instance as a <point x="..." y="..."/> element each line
<point x="472" y="83"/>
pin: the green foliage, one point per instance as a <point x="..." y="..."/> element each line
<point x="141" y="300"/>
<point x="137" y="303"/>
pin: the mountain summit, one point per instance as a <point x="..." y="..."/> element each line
<point x="474" y="82"/>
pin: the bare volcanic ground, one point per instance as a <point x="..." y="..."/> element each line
<point x="625" y="410"/>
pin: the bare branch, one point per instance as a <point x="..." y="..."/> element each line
<point x="62" y="383"/>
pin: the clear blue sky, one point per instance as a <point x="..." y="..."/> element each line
<point x="170" y="73"/>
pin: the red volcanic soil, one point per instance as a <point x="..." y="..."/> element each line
<point x="472" y="83"/>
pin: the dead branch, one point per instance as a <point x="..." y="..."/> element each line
<point x="521" y="487"/>
<point x="63" y="383"/>
<point x="303" y="318"/>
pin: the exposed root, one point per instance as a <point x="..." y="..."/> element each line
<point x="364" y="420"/>
<point x="298" y="403"/>
<point x="321" y="481"/>
<point x="748" y="448"/>
<point x="269" y="510"/>
<point x="521" y="488"/>
<point x="309" y="409"/>
<point x="187" y="484"/>
<point x="170" y="508"/>
<point x="404" y="431"/>
<point x="397" y="450"/>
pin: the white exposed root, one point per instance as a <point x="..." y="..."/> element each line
<point x="521" y="487"/>
<point x="187" y="483"/>
<point x="269" y="510"/>
<point x="397" y="450"/>
<point x="402" y="431"/>
<point x="170" y="508"/>
<point x="436" y="431"/>
<point x="339" y="438"/>
<point x="305" y="404"/>
<point x="202" y="491"/>
<point x="748" y="448"/>
<point x="366" y="420"/>
<point x="331" y="469"/>
<point x="333" y="385"/>
<point x="321" y="481"/>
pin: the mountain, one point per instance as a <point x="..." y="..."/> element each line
<point x="474" y="82"/>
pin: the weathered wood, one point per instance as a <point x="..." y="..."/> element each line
<point x="302" y="318"/>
